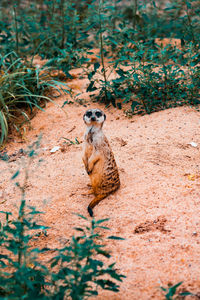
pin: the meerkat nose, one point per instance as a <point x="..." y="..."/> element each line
<point x="93" y="119"/>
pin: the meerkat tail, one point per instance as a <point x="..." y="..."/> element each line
<point x="90" y="211"/>
<point x="94" y="202"/>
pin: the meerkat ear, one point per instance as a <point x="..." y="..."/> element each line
<point x="104" y="117"/>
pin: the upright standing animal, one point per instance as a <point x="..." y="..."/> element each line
<point x="98" y="158"/>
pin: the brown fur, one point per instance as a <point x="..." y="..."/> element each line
<point x="100" y="165"/>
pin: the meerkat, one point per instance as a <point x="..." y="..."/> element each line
<point x="98" y="158"/>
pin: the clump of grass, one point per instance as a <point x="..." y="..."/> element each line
<point x="22" y="86"/>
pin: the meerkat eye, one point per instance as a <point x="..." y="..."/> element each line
<point x="88" y="114"/>
<point x="98" y="114"/>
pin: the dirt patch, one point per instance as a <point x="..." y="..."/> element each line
<point x="158" y="224"/>
<point x="159" y="198"/>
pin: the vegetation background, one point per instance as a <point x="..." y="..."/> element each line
<point x="151" y="74"/>
<point x="141" y="53"/>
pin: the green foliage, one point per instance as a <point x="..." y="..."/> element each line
<point x="149" y="75"/>
<point x="132" y="66"/>
<point x="22" y="86"/>
<point x="70" y="142"/>
<point x="78" y="270"/>
<point x="21" y="275"/>
<point x="172" y="294"/>
<point x="165" y="81"/>
<point x="81" y="271"/>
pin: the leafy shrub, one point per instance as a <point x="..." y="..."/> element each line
<point x="76" y="270"/>
<point x="171" y="293"/>
<point x="21" y="275"/>
<point x="126" y="34"/>
<point x="81" y="271"/>
<point x="152" y="79"/>
<point x="152" y="76"/>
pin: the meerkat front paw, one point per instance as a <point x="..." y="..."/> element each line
<point x="89" y="171"/>
<point x="91" y="164"/>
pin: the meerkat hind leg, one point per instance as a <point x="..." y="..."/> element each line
<point x="90" y="192"/>
<point x="94" y="202"/>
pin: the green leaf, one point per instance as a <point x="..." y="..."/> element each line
<point x="103" y="227"/>
<point x="55" y="261"/>
<point x="32" y="153"/>
<point x="134" y="104"/>
<point x="91" y="87"/>
<point x="91" y="74"/>
<point x="121" y="73"/>
<point x="104" y="253"/>
<point x="136" y="77"/>
<point x="186" y="294"/>
<point x="112" y="237"/>
<point x="188" y="4"/>
<point x="101" y="221"/>
<point x="4" y="127"/>
<point x="15" y="175"/>
<point x="79" y="229"/>
<point x="81" y="216"/>
<point x="172" y="290"/>
<point x="5" y="212"/>
<point x="96" y="66"/>
<point x="119" y="105"/>
<point x="67" y="102"/>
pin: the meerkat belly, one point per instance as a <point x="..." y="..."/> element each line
<point x="96" y="176"/>
<point x="88" y="150"/>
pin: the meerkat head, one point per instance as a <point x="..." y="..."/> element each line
<point x="94" y="117"/>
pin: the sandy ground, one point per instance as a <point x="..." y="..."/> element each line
<point x="156" y="209"/>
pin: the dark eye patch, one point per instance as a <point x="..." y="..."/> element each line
<point x="98" y="114"/>
<point x="88" y="114"/>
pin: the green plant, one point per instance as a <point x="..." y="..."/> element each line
<point x="70" y="142"/>
<point x="166" y="83"/>
<point x="22" y="87"/>
<point x="104" y="89"/>
<point x="157" y="80"/>
<point x="81" y="271"/>
<point x="132" y="66"/>
<point x="150" y="75"/>
<point x="172" y="294"/>
<point x="21" y="274"/>
<point x="76" y="270"/>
